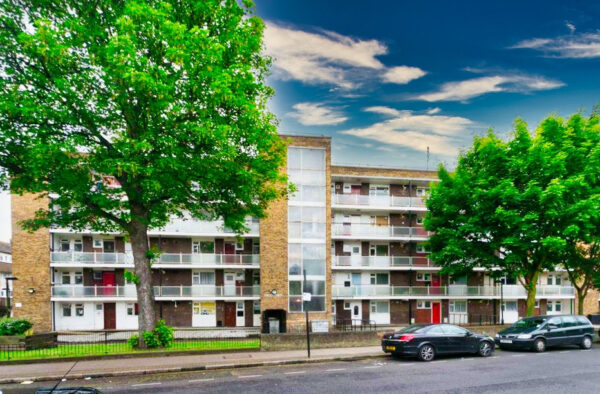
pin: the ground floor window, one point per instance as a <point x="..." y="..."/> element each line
<point x="79" y="310"/>
<point x="240" y="309"/>
<point x="457" y="307"/>
<point x="423" y="304"/>
<point x="66" y="310"/>
<point x="256" y="307"/>
<point x="554" y="306"/>
<point x="132" y="309"/>
<point x="380" y="307"/>
<point x="424" y="277"/>
<point x="203" y="308"/>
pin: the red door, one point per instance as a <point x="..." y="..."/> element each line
<point x="110" y="316"/>
<point x="229" y="314"/>
<point x="108" y="282"/>
<point x="355" y="189"/>
<point x="229" y="250"/>
<point x="436" y="283"/>
<point x="436" y="312"/>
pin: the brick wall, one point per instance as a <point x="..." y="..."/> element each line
<point x="319" y="340"/>
<point x="176" y="316"/>
<point x="400" y="278"/>
<point x="31" y="264"/>
<point x="399" y="312"/>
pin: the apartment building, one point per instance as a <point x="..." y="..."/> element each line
<point x="5" y="270"/>
<point x="353" y="237"/>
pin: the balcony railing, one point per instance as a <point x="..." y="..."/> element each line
<point x="91" y="258"/>
<point x="378" y="201"/>
<point x="200" y="259"/>
<point x="74" y="291"/>
<point x="373" y="230"/>
<point x="447" y="291"/>
<point x="200" y="227"/>
<point x="381" y="261"/>
<point x="209" y="259"/>
<point x="206" y="291"/>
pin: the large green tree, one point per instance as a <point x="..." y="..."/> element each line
<point x="503" y="208"/>
<point x="168" y="97"/>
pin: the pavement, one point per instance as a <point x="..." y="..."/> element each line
<point x="55" y="370"/>
<point x="557" y="371"/>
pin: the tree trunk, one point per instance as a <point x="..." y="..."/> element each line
<point x="139" y="244"/>
<point x="531" y="288"/>
<point x="580" y="300"/>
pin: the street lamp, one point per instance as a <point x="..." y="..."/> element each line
<point x="8" y="279"/>
<point x="501" y="282"/>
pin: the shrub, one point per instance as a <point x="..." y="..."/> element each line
<point x="10" y="326"/>
<point x="134" y="341"/>
<point x="164" y="333"/>
<point x="151" y="339"/>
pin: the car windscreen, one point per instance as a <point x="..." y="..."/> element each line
<point x="530" y="323"/>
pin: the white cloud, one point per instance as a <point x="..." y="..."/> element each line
<point x="330" y="58"/>
<point x="433" y="111"/>
<point x="577" y="46"/>
<point x="317" y="114"/>
<point x="402" y="74"/>
<point x="464" y="90"/>
<point x="440" y="133"/>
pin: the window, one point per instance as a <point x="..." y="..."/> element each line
<point x="78" y="278"/>
<point x="379" y="190"/>
<point x="436" y="330"/>
<point x="346" y="306"/>
<point x="66" y="310"/>
<point x="457" y="307"/>
<point x="255" y="246"/>
<point x="555" y="280"/>
<point x="239" y="246"/>
<point x="77" y="245"/>
<point x="195" y="247"/>
<point x="557" y="306"/>
<point x="569" y="321"/>
<point x="423" y="304"/>
<point x="537" y="304"/>
<point x="421" y="191"/>
<point x="422" y="248"/>
<point x="97" y="275"/>
<point x="196" y="308"/>
<point x="99" y="307"/>
<point x="132" y="309"/>
<point x="454" y="330"/>
<point x="256" y="277"/>
<point x="66" y="279"/>
<point x="555" y="321"/>
<point x="380" y="307"/>
<point x="203" y="278"/>
<point x="379" y="279"/>
<point x="97" y="244"/>
<point x="256" y="307"/>
<point x="420" y="220"/>
<point x="333" y="307"/>
<point x="64" y="245"/>
<point x="458" y="280"/>
<point x="240" y="309"/>
<point x="378" y="250"/>
<point x="79" y="310"/>
<point x="423" y="277"/>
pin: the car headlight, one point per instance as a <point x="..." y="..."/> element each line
<point x="524" y="336"/>
<point x="497" y="335"/>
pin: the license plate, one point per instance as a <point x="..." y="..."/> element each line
<point x="390" y="348"/>
<point x="506" y="341"/>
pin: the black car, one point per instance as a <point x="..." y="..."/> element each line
<point x="425" y="341"/>
<point x="539" y="332"/>
<point x="68" y="390"/>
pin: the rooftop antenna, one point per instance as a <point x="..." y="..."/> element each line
<point x="427" y="158"/>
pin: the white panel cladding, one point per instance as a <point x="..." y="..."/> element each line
<point x="92" y="319"/>
<point x="126" y="321"/>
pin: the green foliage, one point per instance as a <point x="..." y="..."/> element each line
<point x="131" y="277"/>
<point x="161" y="336"/>
<point x="151" y="339"/>
<point x="134" y="341"/>
<point x="521" y="205"/>
<point x="11" y="326"/>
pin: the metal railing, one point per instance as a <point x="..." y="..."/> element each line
<point x="75" y="291"/>
<point x="200" y="227"/>
<point x="378" y="201"/>
<point x="373" y="230"/>
<point x="445" y="291"/>
<point x="91" y="258"/>
<point x="381" y="261"/>
<point x="355" y="325"/>
<point x="209" y="259"/>
<point x="129" y="291"/>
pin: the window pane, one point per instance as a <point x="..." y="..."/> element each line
<point x="295" y="288"/>
<point x="382" y="279"/>
<point x="295" y="304"/>
<point x="316" y="304"/>
<point x="314" y="267"/>
<point x="315" y="287"/>
<point x="382" y="307"/>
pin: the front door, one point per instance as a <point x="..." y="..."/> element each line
<point x="436" y="312"/>
<point x="356" y="283"/>
<point x="355" y="189"/>
<point x="229" y="284"/>
<point x="436" y="284"/>
<point x="356" y="313"/>
<point x="230" y="318"/>
<point x="229" y="250"/>
<point x="110" y="316"/>
<point x="108" y="282"/>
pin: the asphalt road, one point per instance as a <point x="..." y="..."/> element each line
<point x="567" y="370"/>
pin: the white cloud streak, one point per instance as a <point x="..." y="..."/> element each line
<point x="317" y="114"/>
<point x="575" y="46"/>
<point x="407" y="129"/>
<point x="330" y="58"/>
<point x="465" y="90"/>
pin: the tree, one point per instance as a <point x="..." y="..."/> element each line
<point x="165" y="98"/>
<point x="498" y="210"/>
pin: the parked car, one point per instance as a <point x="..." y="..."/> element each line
<point x="426" y="341"/>
<point x="68" y="390"/>
<point x="540" y="332"/>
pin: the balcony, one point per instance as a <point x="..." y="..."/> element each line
<point x="166" y="260"/>
<point x="206" y="260"/>
<point x="128" y="292"/>
<point x="90" y="258"/>
<point x="193" y="227"/>
<point x="383" y="262"/>
<point x="373" y="231"/>
<point x="452" y="291"/>
<point x="377" y="202"/>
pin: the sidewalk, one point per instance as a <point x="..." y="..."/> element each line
<point x="55" y="370"/>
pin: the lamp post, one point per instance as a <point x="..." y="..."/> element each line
<point x="501" y="282"/>
<point x="305" y="298"/>
<point x="8" y="279"/>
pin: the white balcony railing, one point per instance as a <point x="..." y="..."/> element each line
<point x="510" y="291"/>
<point x="91" y="258"/>
<point x="199" y="259"/>
<point x="129" y="291"/>
<point x="206" y="259"/>
<point x="199" y="227"/>
<point x="381" y="261"/>
<point x="372" y="230"/>
<point x="378" y="201"/>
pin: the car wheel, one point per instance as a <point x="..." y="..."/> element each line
<point x="485" y="349"/>
<point x="586" y="342"/>
<point x="426" y="353"/>
<point x="539" y="345"/>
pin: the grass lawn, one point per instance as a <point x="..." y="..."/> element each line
<point x="99" y="349"/>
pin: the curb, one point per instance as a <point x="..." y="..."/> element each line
<point x="209" y="367"/>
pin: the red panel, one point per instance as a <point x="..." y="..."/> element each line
<point x="436" y="312"/>
<point x="108" y="280"/>
<point x="435" y="280"/>
<point x="355" y="189"/>
<point x="110" y="316"/>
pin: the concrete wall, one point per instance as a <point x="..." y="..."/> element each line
<point x="319" y="340"/>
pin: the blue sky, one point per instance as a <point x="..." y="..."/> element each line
<point x="388" y="79"/>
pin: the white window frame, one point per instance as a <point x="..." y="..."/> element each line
<point x="452" y="306"/>
<point x="347" y="306"/>
<point x="198" y="275"/>
<point x="420" y="220"/>
<point x="64" y="308"/>
<point x="421" y="248"/>
<point x="421" y="191"/>
<point x="79" y="310"/>
<point x="239" y="246"/>
<point x="98" y="243"/>
<point x="423" y="277"/>
<point x="423" y="304"/>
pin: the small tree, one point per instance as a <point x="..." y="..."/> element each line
<point x="497" y="210"/>
<point x="165" y="99"/>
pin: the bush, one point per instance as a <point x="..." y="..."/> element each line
<point x="161" y="336"/>
<point x="10" y="326"/>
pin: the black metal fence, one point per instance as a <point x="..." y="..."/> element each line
<point x="483" y="320"/>
<point x="78" y="344"/>
<point x="355" y="325"/>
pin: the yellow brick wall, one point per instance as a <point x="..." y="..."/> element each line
<point x="31" y="264"/>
